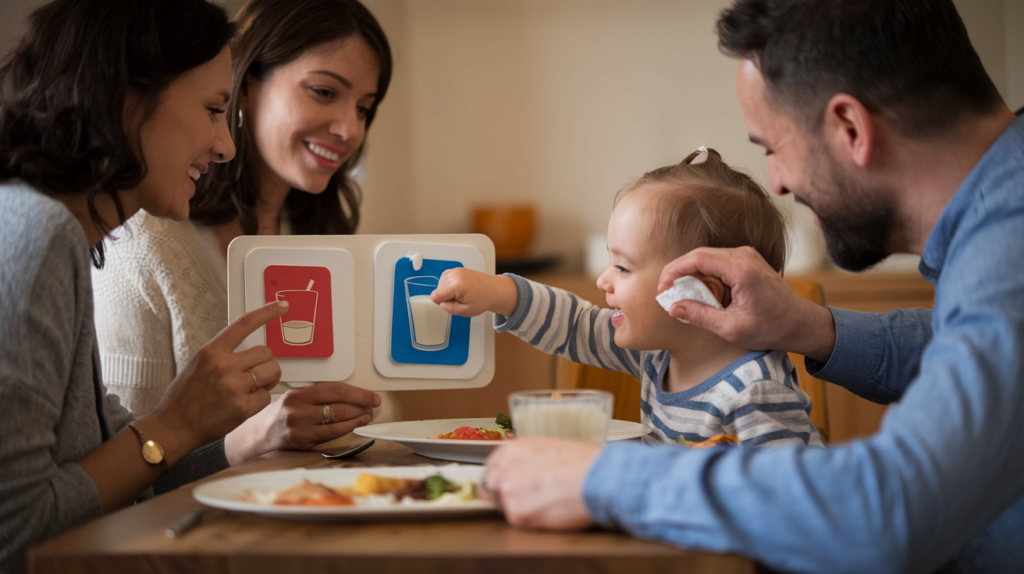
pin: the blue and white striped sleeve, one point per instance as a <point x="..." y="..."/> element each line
<point x="560" y="323"/>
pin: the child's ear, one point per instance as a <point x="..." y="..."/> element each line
<point x="720" y="290"/>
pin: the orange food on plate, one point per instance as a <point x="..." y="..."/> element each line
<point x="367" y="485"/>
<point x="717" y="440"/>
<point x="470" y="433"/>
<point x="312" y="494"/>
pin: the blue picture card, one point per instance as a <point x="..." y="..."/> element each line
<point x="421" y="332"/>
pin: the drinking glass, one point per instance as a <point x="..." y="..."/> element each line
<point x="578" y="414"/>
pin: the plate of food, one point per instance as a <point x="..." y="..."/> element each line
<point x="467" y="440"/>
<point x="351" y="493"/>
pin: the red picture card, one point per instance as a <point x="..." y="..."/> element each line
<point x="307" y="329"/>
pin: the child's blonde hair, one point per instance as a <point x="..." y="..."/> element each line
<point x="709" y="204"/>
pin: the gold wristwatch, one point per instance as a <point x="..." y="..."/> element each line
<point x="152" y="452"/>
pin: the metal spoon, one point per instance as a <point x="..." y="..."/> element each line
<point x="190" y="520"/>
<point x="350" y="452"/>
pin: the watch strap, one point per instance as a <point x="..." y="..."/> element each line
<point x="152" y="452"/>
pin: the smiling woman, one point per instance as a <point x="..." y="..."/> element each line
<point x="307" y="77"/>
<point x="309" y="117"/>
<point x="105" y="108"/>
<point x="111" y="120"/>
<point x="187" y="132"/>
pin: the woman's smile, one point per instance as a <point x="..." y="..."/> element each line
<point x="326" y="156"/>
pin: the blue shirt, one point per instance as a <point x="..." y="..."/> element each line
<point x="941" y="485"/>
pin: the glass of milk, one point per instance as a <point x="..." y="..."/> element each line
<point x="429" y="324"/>
<point x="570" y="413"/>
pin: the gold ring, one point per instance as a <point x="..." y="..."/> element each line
<point x="255" y="383"/>
<point x="327" y="415"/>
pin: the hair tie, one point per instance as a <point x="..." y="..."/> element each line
<point x="702" y="156"/>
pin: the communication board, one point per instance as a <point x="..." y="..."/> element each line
<point x="360" y="309"/>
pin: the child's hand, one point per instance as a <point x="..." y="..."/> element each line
<point x="468" y="293"/>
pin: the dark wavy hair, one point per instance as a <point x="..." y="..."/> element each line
<point x="274" y="33"/>
<point x="710" y="204"/>
<point x="63" y="91"/>
<point x="907" y="60"/>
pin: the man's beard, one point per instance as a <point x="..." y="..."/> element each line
<point x="857" y="221"/>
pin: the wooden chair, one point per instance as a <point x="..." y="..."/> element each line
<point x="625" y="387"/>
<point x="570" y="375"/>
<point x="815" y="388"/>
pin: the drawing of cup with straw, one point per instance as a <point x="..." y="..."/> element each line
<point x="297" y="324"/>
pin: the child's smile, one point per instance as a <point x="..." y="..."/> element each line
<point x="617" y="317"/>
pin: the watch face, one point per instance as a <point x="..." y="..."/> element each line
<point x="152" y="452"/>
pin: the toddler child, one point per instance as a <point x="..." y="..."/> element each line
<point x="694" y="385"/>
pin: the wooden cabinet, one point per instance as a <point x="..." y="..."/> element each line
<point x="521" y="367"/>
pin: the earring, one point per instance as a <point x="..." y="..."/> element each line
<point x="240" y="121"/>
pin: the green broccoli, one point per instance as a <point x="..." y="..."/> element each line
<point x="438" y="485"/>
<point x="504" y="421"/>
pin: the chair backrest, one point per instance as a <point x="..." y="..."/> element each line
<point x="815" y="388"/>
<point x="626" y="389"/>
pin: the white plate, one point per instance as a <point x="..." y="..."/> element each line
<point x="225" y="493"/>
<point x="413" y="435"/>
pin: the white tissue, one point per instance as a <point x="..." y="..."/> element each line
<point x="688" y="287"/>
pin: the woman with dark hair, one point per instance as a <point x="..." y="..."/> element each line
<point x="107" y="107"/>
<point x="308" y="76"/>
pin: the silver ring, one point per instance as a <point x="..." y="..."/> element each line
<point x="255" y="383"/>
<point x="327" y="415"/>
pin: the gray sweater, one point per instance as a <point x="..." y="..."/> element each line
<point x="54" y="409"/>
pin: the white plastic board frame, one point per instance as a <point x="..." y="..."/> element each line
<point x="363" y="249"/>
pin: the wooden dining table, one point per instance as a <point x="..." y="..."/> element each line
<point x="134" y="539"/>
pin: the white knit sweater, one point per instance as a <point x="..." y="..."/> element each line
<point x="162" y="295"/>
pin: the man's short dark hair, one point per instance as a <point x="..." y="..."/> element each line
<point x="907" y="60"/>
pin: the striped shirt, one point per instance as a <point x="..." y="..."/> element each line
<point x="755" y="398"/>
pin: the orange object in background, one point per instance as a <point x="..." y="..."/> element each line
<point x="510" y="227"/>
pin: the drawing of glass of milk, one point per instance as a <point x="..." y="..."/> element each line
<point x="298" y="323"/>
<point x="429" y="324"/>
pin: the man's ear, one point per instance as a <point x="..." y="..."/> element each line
<point x="849" y="129"/>
<point x="719" y="289"/>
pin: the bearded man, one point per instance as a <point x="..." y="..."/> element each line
<point x="878" y="115"/>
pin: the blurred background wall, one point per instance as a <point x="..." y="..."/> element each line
<point x="560" y="103"/>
